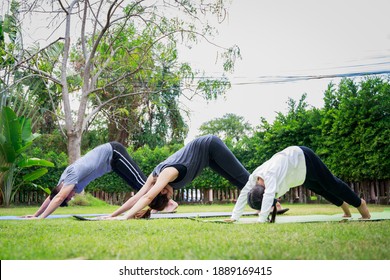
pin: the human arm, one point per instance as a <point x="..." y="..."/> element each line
<point x="131" y="201"/>
<point x="168" y="175"/>
<point x="242" y="199"/>
<point x="57" y="200"/>
<point x="40" y="210"/>
<point x="268" y="197"/>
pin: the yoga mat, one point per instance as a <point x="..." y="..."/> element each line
<point x="197" y="215"/>
<point x="177" y="215"/>
<point x="375" y="216"/>
<point x="50" y="217"/>
<point x="153" y="216"/>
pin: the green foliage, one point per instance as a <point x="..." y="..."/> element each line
<point x="8" y="33"/>
<point x="15" y="138"/>
<point x="229" y="128"/>
<point x="355" y="129"/>
<point x="351" y="132"/>
<point x="148" y="158"/>
<point x="212" y="88"/>
<point x="86" y="200"/>
<point x="300" y="126"/>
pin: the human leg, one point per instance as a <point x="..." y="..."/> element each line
<point x="318" y="189"/>
<point x="126" y="167"/>
<point x="224" y="162"/>
<point x="323" y="182"/>
<point x="363" y="210"/>
<point x="345" y="208"/>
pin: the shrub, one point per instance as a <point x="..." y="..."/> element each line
<point x="86" y="200"/>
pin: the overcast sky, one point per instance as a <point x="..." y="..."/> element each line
<point x="281" y="42"/>
<point x="282" y="38"/>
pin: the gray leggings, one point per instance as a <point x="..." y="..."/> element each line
<point x="223" y="162"/>
<point x="321" y="181"/>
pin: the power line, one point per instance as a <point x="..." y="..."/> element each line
<point x="294" y="78"/>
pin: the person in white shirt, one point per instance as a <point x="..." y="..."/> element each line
<point x="292" y="167"/>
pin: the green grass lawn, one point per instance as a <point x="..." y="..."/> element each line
<point x="185" y="239"/>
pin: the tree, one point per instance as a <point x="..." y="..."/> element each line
<point x="300" y="126"/>
<point x="153" y="118"/>
<point x="21" y="89"/>
<point x="9" y="48"/>
<point x="230" y="128"/>
<point x="100" y="25"/>
<point x="355" y="129"/>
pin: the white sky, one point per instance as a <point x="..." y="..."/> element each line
<point x="285" y="37"/>
<point x="288" y="37"/>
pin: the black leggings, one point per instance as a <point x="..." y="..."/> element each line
<point x="321" y="181"/>
<point x="125" y="167"/>
<point x="226" y="164"/>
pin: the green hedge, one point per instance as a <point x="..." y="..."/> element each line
<point x="351" y="134"/>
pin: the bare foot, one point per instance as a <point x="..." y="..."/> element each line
<point x="170" y="208"/>
<point x="363" y="210"/>
<point x="347" y="213"/>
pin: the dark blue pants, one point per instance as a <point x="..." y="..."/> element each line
<point x="123" y="165"/>
<point x="321" y="181"/>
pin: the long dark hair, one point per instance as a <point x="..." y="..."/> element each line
<point x="158" y="203"/>
<point x="255" y="200"/>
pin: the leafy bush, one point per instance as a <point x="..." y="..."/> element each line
<point x="86" y="200"/>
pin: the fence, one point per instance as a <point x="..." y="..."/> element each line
<point x="374" y="192"/>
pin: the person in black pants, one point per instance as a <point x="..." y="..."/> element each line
<point x="295" y="166"/>
<point x="102" y="159"/>
<point x="181" y="168"/>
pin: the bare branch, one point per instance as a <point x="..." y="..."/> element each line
<point x="83" y="24"/>
<point x="65" y="93"/>
<point x="96" y="20"/>
<point x="63" y="8"/>
<point x="98" y="108"/>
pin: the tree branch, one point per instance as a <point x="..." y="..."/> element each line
<point x="42" y="74"/>
<point x="98" y="108"/>
<point x="39" y="51"/>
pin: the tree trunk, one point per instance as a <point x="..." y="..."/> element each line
<point x="74" y="147"/>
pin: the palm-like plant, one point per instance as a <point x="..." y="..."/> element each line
<point x="15" y="137"/>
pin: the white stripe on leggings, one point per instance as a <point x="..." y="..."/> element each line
<point x="131" y="168"/>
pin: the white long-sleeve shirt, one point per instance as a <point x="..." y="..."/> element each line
<point x="285" y="170"/>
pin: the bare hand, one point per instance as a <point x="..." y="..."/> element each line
<point x="109" y="218"/>
<point x="28" y="217"/>
<point x="104" y="218"/>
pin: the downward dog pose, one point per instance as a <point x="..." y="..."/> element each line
<point x="181" y="168"/>
<point x="295" y="166"/>
<point x="97" y="162"/>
